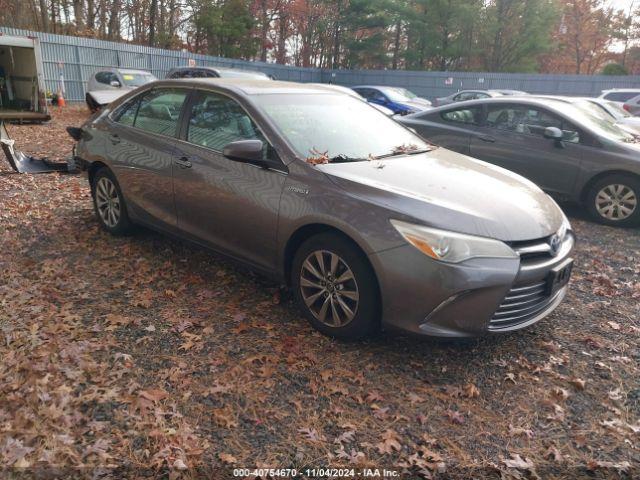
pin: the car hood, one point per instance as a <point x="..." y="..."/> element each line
<point x="444" y="189"/>
<point x="104" y="97"/>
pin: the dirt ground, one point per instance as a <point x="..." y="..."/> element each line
<point x="149" y="357"/>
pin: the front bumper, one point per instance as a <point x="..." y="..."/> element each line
<point x="473" y="298"/>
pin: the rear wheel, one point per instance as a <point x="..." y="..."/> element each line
<point x="108" y="203"/>
<point x="336" y="287"/>
<point x="91" y="104"/>
<point x="613" y="200"/>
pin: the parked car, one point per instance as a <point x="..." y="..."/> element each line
<point x="618" y="113"/>
<point x="620" y="95"/>
<point x="400" y="100"/>
<point x="354" y="94"/>
<point x="627" y="98"/>
<point x="602" y="109"/>
<point x="632" y="105"/>
<point x="351" y="209"/>
<point x="215" y="72"/>
<point x="464" y="95"/>
<point x="566" y="151"/>
<point x="109" y="84"/>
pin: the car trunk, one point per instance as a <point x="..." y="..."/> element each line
<point x="22" y="90"/>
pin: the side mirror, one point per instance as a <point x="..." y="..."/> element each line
<point x="247" y="151"/>
<point x="554" y="133"/>
<point x="115" y="83"/>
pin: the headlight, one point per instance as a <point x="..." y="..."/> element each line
<point x="451" y="247"/>
<point x="564" y="228"/>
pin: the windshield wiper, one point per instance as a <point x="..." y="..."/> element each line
<point x="344" y="159"/>
<point x="400" y="153"/>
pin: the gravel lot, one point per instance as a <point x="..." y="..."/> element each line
<point x="147" y="356"/>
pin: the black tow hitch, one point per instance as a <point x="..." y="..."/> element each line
<point x="22" y="163"/>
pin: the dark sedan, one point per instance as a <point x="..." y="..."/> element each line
<point x="568" y="152"/>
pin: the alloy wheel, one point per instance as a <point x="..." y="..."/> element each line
<point x="108" y="202"/>
<point x="329" y="288"/>
<point x="616" y="202"/>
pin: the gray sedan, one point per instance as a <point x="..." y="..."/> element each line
<point x="369" y="225"/>
<point x="565" y="150"/>
<point x="464" y="95"/>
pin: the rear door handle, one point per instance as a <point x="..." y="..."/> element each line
<point x="486" y="138"/>
<point x="183" y="162"/>
<point x="114" y="138"/>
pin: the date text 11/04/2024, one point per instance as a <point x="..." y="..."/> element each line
<point x="313" y="473"/>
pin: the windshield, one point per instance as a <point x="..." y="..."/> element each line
<point x="597" y="124"/>
<point x="337" y="126"/>
<point x="137" y="79"/>
<point x="398" y="94"/>
<point x="594" y="110"/>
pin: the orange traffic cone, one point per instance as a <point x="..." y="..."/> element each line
<point x="61" y="102"/>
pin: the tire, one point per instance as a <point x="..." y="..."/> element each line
<point x="91" y="104"/>
<point x="615" y="200"/>
<point x="358" y="295"/>
<point x="108" y="203"/>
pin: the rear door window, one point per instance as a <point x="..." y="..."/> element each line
<point x="160" y="110"/>
<point x="469" y="116"/>
<point x="216" y="120"/>
<point x="461" y="97"/>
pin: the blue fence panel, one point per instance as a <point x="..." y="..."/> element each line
<point x="82" y="56"/>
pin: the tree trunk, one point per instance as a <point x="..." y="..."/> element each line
<point x="78" y="13"/>
<point x="264" y="29"/>
<point x="44" y="16"/>
<point x="396" y="46"/>
<point x="152" y="22"/>
<point x="114" y="21"/>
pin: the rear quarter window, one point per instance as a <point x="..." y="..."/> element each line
<point x="467" y="116"/>
<point x="620" y="96"/>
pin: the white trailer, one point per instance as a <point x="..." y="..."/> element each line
<point x="22" y="97"/>
<point x="22" y="87"/>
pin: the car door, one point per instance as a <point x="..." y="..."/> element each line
<point x="141" y="145"/>
<point x="512" y="137"/>
<point x="450" y="129"/>
<point x="379" y="98"/>
<point x="230" y="205"/>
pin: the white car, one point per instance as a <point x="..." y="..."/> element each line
<point x="109" y="84"/>
<point x="617" y="112"/>
<point x="619" y="95"/>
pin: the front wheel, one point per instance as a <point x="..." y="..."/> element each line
<point x="336" y="287"/>
<point x="108" y="203"/>
<point x="613" y="200"/>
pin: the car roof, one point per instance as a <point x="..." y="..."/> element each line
<point x="632" y="90"/>
<point x="217" y="69"/>
<point x="133" y="71"/>
<point x="249" y="86"/>
<point x="527" y="100"/>
<point x="381" y="87"/>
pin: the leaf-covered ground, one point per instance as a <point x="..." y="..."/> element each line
<point x="147" y="356"/>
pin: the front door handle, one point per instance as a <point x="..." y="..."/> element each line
<point x="183" y="162"/>
<point x="486" y="138"/>
<point x="114" y="138"/>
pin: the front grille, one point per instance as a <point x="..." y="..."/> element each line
<point x="532" y="250"/>
<point x="521" y="304"/>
